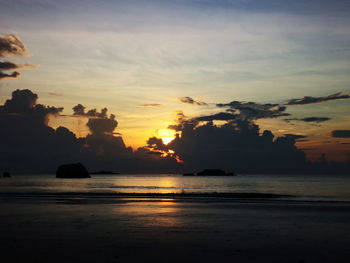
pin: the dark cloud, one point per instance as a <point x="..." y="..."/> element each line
<point x="27" y="142"/>
<point x="102" y="125"/>
<point x="156" y="143"/>
<point x="221" y="116"/>
<point x="11" y="45"/>
<point x="30" y="145"/>
<point x="182" y="121"/>
<point x="238" y="110"/>
<point x="341" y="133"/>
<point x="79" y="110"/>
<point x="150" y="105"/>
<point x="25" y="102"/>
<point x="189" y="100"/>
<point x="236" y="146"/>
<point x="6" y="65"/>
<point x="311" y="100"/>
<point x="295" y="136"/>
<point x="102" y="145"/>
<point x="315" y="119"/>
<point x="99" y="122"/>
<point x="95" y="113"/>
<point x="253" y="110"/>
<point x="13" y="75"/>
<point x="310" y="119"/>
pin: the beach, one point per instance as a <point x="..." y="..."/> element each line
<point x="67" y="228"/>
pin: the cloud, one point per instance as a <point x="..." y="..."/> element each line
<point x="311" y="100"/>
<point x="341" y="133"/>
<point x="156" y="143"/>
<point x="103" y="125"/>
<point x="295" y="136"/>
<point x="79" y="110"/>
<point x="253" y="110"/>
<point x="25" y="101"/>
<point x="6" y="65"/>
<point x="102" y="129"/>
<point x="221" y="116"/>
<point x="109" y="150"/>
<point x="11" y="45"/>
<point x="150" y="105"/>
<point x="13" y="75"/>
<point x="182" y="121"/>
<point x="55" y="94"/>
<point x="189" y="100"/>
<point x="236" y="146"/>
<point x="310" y="119"/>
<point x="30" y="145"/>
<point x="238" y="110"/>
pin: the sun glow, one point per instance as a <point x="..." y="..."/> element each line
<point x="166" y="135"/>
<point x="166" y="140"/>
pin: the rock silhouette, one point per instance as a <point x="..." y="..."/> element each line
<point x="73" y="170"/>
<point x="6" y="175"/>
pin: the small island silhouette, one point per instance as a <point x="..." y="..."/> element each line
<point x="72" y="170"/>
<point x="6" y="175"/>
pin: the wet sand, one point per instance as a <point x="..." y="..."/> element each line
<point x="81" y="229"/>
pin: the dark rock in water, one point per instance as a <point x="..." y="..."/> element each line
<point x="214" y="172"/>
<point x="73" y="170"/>
<point x="6" y="174"/>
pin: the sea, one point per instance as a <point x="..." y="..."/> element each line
<point x="334" y="188"/>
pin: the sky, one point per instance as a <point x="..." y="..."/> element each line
<point x="142" y="59"/>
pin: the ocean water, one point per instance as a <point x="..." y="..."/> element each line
<point x="302" y="187"/>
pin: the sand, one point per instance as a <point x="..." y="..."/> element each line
<point x="73" y="229"/>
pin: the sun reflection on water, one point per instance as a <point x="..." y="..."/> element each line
<point x="155" y="213"/>
<point x="160" y="184"/>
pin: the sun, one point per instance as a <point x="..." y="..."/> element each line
<point x="166" y="135"/>
<point x="166" y="140"/>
